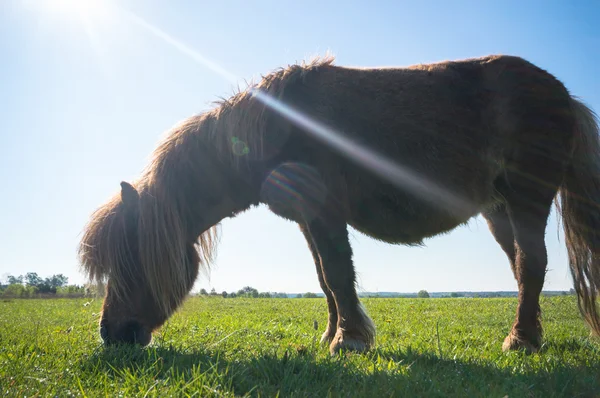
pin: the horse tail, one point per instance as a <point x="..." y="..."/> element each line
<point x="580" y="210"/>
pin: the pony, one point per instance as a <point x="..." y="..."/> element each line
<point x="399" y="153"/>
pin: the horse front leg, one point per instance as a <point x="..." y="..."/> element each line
<point x="354" y="331"/>
<point x="329" y="333"/>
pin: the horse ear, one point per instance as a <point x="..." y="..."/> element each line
<point x="129" y="195"/>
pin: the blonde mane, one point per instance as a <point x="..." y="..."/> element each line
<point x="161" y="223"/>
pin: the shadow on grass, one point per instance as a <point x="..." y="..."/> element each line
<point x="380" y="373"/>
<point x="571" y="345"/>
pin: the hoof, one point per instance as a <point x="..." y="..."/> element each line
<point x="343" y="342"/>
<point x="513" y="343"/>
<point x="327" y="337"/>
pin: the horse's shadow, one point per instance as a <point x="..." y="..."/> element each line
<point x="300" y="372"/>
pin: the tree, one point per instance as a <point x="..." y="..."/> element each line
<point x="224" y="294"/>
<point x="309" y="295"/>
<point x="70" y="290"/>
<point x="203" y="292"/>
<point x="14" y="290"/>
<point x="18" y="290"/>
<point x="213" y="292"/>
<point x="248" y="292"/>
<point x="423" y="294"/>
<point x="57" y="281"/>
<point x="52" y="284"/>
<point x="33" y="279"/>
<point x="15" y="280"/>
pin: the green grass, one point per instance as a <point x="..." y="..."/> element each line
<point x="266" y="347"/>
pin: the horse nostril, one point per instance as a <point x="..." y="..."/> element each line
<point x="131" y="332"/>
<point x="134" y="333"/>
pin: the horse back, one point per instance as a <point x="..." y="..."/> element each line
<point x="454" y="124"/>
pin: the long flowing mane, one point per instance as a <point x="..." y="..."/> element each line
<point x="195" y="156"/>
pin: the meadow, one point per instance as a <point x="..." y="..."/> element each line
<point x="269" y="347"/>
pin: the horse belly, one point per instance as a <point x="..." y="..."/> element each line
<point x="400" y="219"/>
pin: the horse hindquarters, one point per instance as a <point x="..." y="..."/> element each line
<point x="537" y="156"/>
<point x="527" y="210"/>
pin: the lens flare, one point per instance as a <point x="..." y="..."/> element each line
<point x="239" y="147"/>
<point x="295" y="186"/>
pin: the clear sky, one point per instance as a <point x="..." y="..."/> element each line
<point x="85" y="94"/>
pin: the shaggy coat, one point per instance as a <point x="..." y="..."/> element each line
<point x="400" y="154"/>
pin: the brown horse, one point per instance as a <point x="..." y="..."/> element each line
<point x="400" y="154"/>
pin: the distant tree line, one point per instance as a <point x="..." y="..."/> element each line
<point x="468" y="294"/>
<point x="250" y="292"/>
<point x="31" y="285"/>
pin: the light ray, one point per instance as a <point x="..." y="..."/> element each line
<point x="384" y="168"/>
<point x="193" y="54"/>
<point x="401" y="177"/>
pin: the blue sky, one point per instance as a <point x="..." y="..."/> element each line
<point x="83" y="105"/>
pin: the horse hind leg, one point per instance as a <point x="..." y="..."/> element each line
<point x="354" y="330"/>
<point x="527" y="207"/>
<point x="525" y="332"/>
<point x="329" y="333"/>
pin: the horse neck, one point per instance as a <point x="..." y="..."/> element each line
<point x="197" y="171"/>
<point x="233" y="144"/>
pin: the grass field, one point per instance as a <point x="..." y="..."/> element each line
<point x="269" y="347"/>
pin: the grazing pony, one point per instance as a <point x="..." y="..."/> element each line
<point x="400" y="154"/>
